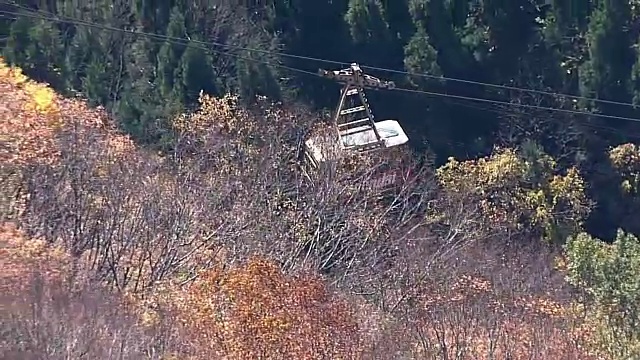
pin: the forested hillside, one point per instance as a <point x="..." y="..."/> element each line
<point x="582" y="48"/>
<point x="110" y="249"/>
<point x="152" y="206"/>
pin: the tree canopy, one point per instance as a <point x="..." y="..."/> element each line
<point x="153" y="205"/>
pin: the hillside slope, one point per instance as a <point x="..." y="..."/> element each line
<point x="207" y="252"/>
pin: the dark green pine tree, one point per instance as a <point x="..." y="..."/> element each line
<point x="367" y="21"/>
<point x="379" y="30"/>
<point x="197" y="73"/>
<point x="635" y="75"/>
<point x="86" y="59"/>
<point x="152" y="15"/>
<point x="435" y="17"/>
<point x="563" y="34"/>
<point x="37" y="47"/>
<point x="18" y="42"/>
<point x="421" y="57"/>
<point x="168" y="61"/>
<point x="140" y="107"/>
<point x="606" y="73"/>
<point x="511" y="26"/>
<point x="318" y="30"/>
<point x="255" y="78"/>
<point x="451" y="130"/>
<point x="94" y="84"/>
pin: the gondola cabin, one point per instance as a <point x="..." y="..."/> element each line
<point x="321" y="150"/>
<point x="355" y="130"/>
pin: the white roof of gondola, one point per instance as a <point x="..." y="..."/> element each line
<point x="390" y="131"/>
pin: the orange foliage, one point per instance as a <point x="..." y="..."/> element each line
<point x="23" y="260"/>
<point x="255" y="311"/>
<point x="49" y="307"/>
<point x="32" y="115"/>
<point x="252" y="311"/>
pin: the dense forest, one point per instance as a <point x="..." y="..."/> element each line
<point x="147" y="161"/>
<point x="586" y="49"/>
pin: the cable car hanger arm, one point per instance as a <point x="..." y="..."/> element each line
<point x="356" y="77"/>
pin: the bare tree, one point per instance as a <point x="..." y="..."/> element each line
<point x="134" y="219"/>
<point x="561" y="134"/>
<point x="50" y="309"/>
<point x="493" y="303"/>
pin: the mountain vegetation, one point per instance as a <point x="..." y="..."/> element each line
<point x="152" y="205"/>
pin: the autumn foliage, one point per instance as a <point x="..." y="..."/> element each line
<point x="33" y="116"/>
<point x="246" y="312"/>
<point x="520" y="194"/>
<point x="25" y="259"/>
<point x="49" y="308"/>
<point x="255" y="311"/>
<point x="214" y="249"/>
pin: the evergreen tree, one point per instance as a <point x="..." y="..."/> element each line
<point x="367" y="22"/>
<point x="37" y="46"/>
<point x="197" y="73"/>
<point x="169" y="71"/>
<point x="140" y="107"/>
<point x="606" y="73"/>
